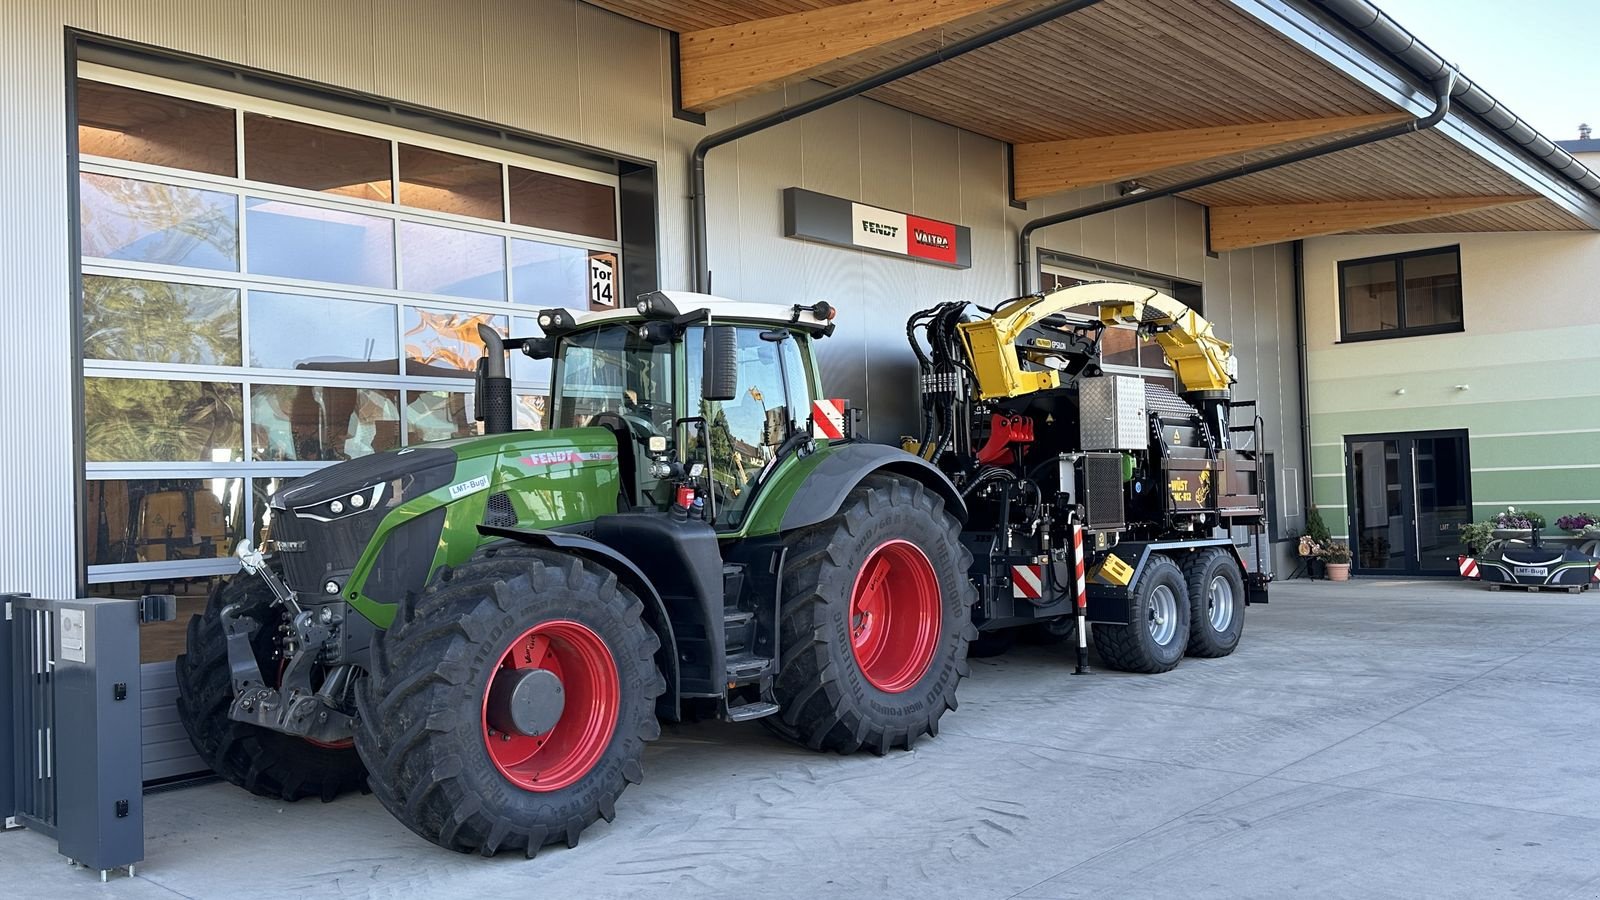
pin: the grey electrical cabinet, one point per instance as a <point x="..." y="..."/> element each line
<point x="74" y="668"/>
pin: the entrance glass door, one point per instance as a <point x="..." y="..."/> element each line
<point x="1410" y="496"/>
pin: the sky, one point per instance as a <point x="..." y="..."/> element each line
<point x="1538" y="57"/>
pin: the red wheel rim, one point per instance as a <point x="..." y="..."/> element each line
<point x="895" y="616"/>
<point x="583" y="664"/>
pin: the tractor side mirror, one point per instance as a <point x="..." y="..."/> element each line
<point x="719" y="376"/>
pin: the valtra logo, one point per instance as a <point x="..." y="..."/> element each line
<point x="930" y="239"/>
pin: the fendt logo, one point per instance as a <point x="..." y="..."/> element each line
<point x="871" y="227"/>
<point x="931" y="240"/>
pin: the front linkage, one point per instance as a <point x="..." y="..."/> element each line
<point x="294" y="707"/>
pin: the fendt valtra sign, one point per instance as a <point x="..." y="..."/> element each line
<point x="811" y="216"/>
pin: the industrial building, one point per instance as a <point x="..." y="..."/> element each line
<point x="248" y="238"/>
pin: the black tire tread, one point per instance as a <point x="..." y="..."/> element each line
<point x="1203" y="642"/>
<point x="261" y="761"/>
<point x="1122" y="647"/>
<point x="419" y="776"/>
<point x="820" y="715"/>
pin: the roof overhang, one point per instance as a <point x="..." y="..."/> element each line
<point x="1160" y="91"/>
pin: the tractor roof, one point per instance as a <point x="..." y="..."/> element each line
<point x="810" y="316"/>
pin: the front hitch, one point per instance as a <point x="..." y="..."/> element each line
<point x="293" y="707"/>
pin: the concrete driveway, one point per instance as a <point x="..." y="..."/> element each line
<point x="1371" y="739"/>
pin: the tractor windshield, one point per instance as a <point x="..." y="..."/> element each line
<point x="613" y="370"/>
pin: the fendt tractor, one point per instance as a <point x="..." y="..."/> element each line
<point x="487" y="631"/>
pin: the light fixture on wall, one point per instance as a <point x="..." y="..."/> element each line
<point x="1130" y="187"/>
<point x="1463" y="387"/>
<point x="1399" y="392"/>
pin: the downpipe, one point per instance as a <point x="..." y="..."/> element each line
<point x="700" y="256"/>
<point x="1443" y="87"/>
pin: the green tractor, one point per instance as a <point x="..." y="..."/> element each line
<point x="487" y="631"/>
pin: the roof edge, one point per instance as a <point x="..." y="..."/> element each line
<point x="1402" y="46"/>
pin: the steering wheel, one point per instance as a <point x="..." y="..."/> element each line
<point x="647" y="413"/>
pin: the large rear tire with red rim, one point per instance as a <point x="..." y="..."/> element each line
<point x="877" y="613"/>
<point x="510" y="702"/>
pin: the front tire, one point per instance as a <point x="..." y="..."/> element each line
<point x="1216" y="603"/>
<point x="511" y="702"/>
<point x="262" y="761"/>
<point x="876" y="618"/>
<point x="1155" y="640"/>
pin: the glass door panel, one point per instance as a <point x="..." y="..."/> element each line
<point x="1380" y="517"/>
<point x="1410" y="496"/>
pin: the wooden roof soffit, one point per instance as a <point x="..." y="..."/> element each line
<point x="1239" y="227"/>
<point x="717" y="66"/>
<point x="1047" y="167"/>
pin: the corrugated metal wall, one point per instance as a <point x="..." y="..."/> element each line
<point x="572" y="71"/>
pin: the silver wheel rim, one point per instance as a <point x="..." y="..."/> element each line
<point x="1219" y="603"/>
<point x="1163" y="620"/>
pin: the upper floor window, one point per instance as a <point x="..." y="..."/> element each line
<point x="1401" y="295"/>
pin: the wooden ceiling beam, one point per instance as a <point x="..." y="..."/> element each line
<point x="1239" y="227"/>
<point x="1047" y="167"/>
<point x="717" y="66"/>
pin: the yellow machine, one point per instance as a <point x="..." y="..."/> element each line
<point x="998" y="345"/>
<point x="1095" y="497"/>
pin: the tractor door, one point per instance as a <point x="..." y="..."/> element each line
<point x="748" y="434"/>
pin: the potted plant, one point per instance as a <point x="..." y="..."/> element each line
<point x="1476" y="536"/>
<point x="1336" y="554"/>
<point x="1513" y="523"/>
<point x="1579" y="523"/>
<point x="1316" y="541"/>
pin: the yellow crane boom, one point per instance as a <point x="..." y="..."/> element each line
<point x="1200" y="360"/>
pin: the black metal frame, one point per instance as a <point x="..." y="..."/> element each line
<point x="1347" y="337"/>
<point x="1414" y="563"/>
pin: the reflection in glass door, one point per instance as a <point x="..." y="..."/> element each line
<point x="1410" y="496"/>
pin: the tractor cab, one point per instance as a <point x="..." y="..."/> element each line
<point x="712" y="397"/>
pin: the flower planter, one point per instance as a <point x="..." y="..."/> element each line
<point x="1338" y="571"/>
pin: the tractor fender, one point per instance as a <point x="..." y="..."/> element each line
<point x="627" y="572"/>
<point x="827" y="486"/>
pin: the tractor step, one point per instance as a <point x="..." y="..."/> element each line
<point x="746" y="666"/>
<point x="739" y="629"/>
<point x="748" y="711"/>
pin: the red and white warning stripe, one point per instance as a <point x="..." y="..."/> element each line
<point x="1027" y="582"/>
<point x="1468" y="566"/>
<point x="1596" y="578"/>
<point x="1077" y="557"/>
<point x="827" y="419"/>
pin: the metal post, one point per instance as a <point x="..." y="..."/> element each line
<point x="1080" y="584"/>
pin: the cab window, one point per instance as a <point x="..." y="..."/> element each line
<point x="745" y="432"/>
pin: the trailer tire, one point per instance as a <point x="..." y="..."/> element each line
<point x="428" y="715"/>
<point x="862" y="667"/>
<point x="1155" y="639"/>
<point x="262" y="761"/>
<point x="1216" y="603"/>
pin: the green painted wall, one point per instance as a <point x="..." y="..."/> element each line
<point x="1523" y="378"/>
